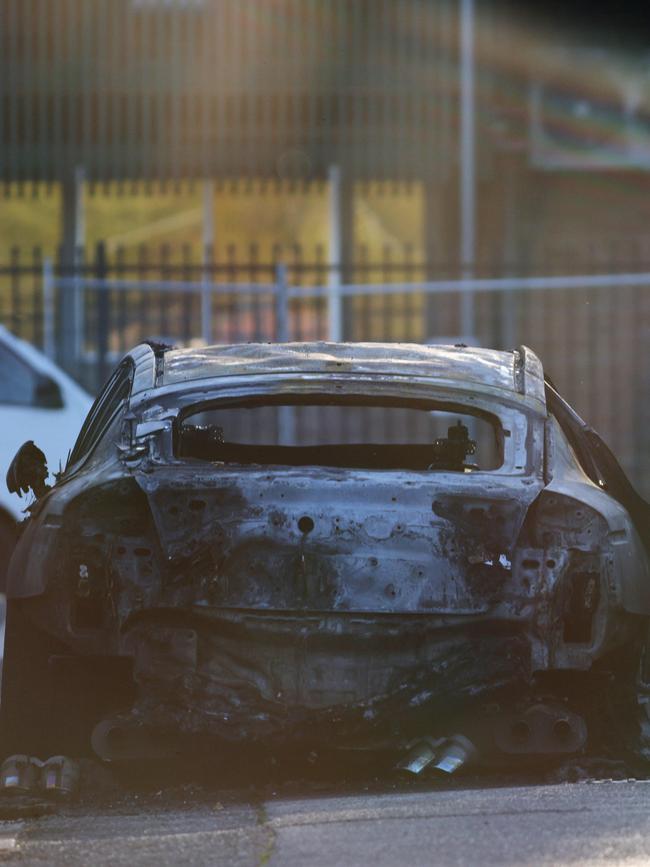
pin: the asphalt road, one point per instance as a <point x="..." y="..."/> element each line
<point x="583" y="823"/>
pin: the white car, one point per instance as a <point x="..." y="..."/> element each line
<point x="37" y="401"/>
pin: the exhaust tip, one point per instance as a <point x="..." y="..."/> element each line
<point x="419" y="757"/>
<point x="457" y="752"/>
<point x="446" y="755"/>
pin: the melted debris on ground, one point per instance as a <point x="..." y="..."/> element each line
<point x="145" y="788"/>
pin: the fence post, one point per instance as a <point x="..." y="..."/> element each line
<point x="467" y="160"/>
<point x="69" y="296"/>
<point x="281" y="304"/>
<point x="285" y="413"/>
<point x="334" y="307"/>
<point x="103" y="312"/>
<point x="206" y="295"/>
<point x="16" y="295"/>
<point x="208" y="260"/>
<point x="48" y="308"/>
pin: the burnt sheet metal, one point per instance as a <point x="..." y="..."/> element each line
<point x="145" y="452"/>
<point x="473" y="375"/>
<point x="519" y="371"/>
<point x="540" y="729"/>
<point x="260" y="602"/>
<point x="320" y="539"/>
<point x="275" y="679"/>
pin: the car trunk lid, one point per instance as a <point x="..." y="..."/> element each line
<point x="323" y="539"/>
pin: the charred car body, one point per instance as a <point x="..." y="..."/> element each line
<point x="373" y="544"/>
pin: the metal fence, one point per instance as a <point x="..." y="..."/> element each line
<point x="158" y="90"/>
<point x="590" y="327"/>
<point x="184" y="295"/>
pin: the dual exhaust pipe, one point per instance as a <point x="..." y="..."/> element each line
<point x="446" y="755"/>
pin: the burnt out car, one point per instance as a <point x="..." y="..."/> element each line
<point x="413" y="548"/>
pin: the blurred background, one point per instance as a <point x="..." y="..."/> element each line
<point x="422" y="170"/>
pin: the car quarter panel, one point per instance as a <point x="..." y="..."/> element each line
<point x="614" y="535"/>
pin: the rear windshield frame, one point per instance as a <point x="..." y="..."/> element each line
<point x="429" y="403"/>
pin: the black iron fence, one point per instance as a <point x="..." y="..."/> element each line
<point x="589" y="320"/>
<point x="147" y="292"/>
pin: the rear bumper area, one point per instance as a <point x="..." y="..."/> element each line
<point x="245" y="676"/>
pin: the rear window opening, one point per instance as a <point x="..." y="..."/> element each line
<point x="351" y="432"/>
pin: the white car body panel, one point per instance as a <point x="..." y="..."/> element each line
<point x="53" y="430"/>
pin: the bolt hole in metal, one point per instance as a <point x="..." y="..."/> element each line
<point x="520" y="731"/>
<point x="562" y="730"/>
<point x="305" y="524"/>
<point x="116" y="737"/>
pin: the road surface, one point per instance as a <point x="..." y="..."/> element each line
<point x="583" y="823"/>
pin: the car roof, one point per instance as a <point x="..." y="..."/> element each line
<point x="517" y="373"/>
